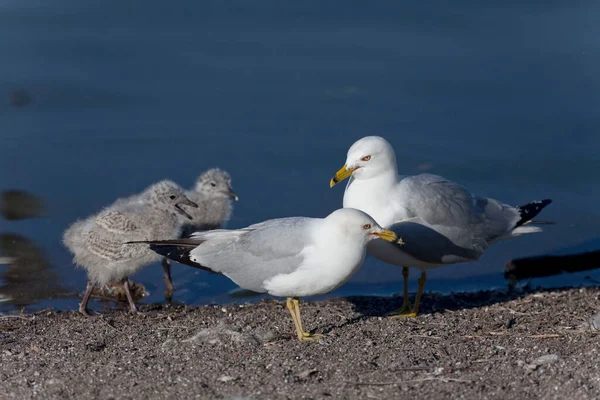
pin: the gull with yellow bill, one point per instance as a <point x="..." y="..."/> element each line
<point x="288" y="257"/>
<point x="441" y="221"/>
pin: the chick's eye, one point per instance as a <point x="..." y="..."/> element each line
<point x="367" y="226"/>
<point x="213" y="184"/>
<point x="172" y="197"/>
<point x="366" y="158"/>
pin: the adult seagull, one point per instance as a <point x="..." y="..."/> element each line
<point x="440" y="221"/>
<point x="289" y="257"/>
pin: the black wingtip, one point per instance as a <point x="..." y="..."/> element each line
<point x="156" y="242"/>
<point x="176" y="250"/>
<point x="531" y="210"/>
<point x="179" y="253"/>
<point x="542" y="266"/>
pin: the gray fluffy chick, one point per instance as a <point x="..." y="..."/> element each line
<point x="98" y="242"/>
<point x="213" y="194"/>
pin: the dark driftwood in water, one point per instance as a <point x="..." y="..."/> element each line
<point x="535" y="267"/>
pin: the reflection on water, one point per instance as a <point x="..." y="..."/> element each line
<point x="29" y="276"/>
<point x="20" y="98"/>
<point x="501" y="97"/>
<point x="19" y="204"/>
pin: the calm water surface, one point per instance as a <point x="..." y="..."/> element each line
<point x="502" y="97"/>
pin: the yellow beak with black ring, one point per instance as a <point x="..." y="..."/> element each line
<point x="342" y="174"/>
<point x="389" y="236"/>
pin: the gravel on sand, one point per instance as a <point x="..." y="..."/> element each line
<point x="490" y="344"/>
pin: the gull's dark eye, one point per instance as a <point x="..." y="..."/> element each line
<point x="172" y="197"/>
<point x="367" y="226"/>
<point x="213" y="184"/>
<point x="366" y="158"/>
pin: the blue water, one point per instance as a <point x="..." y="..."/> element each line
<point x="502" y="97"/>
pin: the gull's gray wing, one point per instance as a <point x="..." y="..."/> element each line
<point x="430" y="245"/>
<point x="252" y="255"/>
<point x="468" y="221"/>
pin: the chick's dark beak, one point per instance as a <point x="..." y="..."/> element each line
<point x="232" y="194"/>
<point x="185" y="202"/>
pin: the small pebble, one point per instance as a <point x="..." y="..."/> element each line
<point x="543" y="360"/>
<point x="546" y="359"/>
<point x="595" y="322"/>
<point x="305" y="374"/>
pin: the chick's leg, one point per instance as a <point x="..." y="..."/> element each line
<point x="132" y="307"/>
<point x="86" y="297"/>
<point x="166" y="264"/>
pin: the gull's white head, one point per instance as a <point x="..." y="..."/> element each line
<point x="367" y="158"/>
<point x="357" y="225"/>
<point x="215" y="183"/>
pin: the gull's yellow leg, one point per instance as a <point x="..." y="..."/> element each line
<point x="290" y="306"/>
<point x="406" y="301"/>
<point x="296" y="304"/>
<point x="305" y="335"/>
<point x="422" y="281"/>
<point x="415" y="310"/>
<point x="406" y="308"/>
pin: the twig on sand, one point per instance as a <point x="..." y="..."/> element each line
<point x="546" y="336"/>
<point x="581" y="332"/>
<point x="510" y="310"/>
<point x="42" y="311"/>
<point x="113" y="327"/>
<point x="14" y="316"/>
<point x="445" y="380"/>
<point x="414" y="369"/>
<point x="8" y="328"/>
<point x="168" y="328"/>
<point x="494" y="334"/>
<point x="425" y="336"/>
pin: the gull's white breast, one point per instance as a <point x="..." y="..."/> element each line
<point x="328" y="264"/>
<point x="379" y="198"/>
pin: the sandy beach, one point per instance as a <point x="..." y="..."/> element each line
<point x="485" y="345"/>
